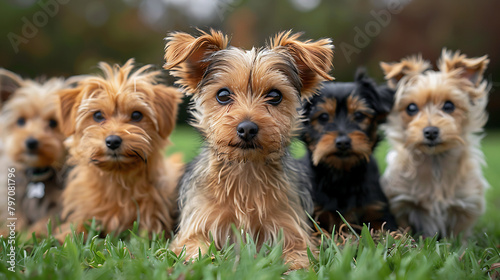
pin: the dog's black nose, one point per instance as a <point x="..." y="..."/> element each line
<point x="343" y="143"/>
<point x="247" y="130"/>
<point x="431" y="133"/>
<point x="32" y="144"/>
<point x="113" y="142"/>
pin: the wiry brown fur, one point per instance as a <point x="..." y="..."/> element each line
<point x="437" y="189"/>
<point x="407" y="67"/>
<point x="136" y="182"/>
<point x="256" y="189"/>
<point x="35" y="102"/>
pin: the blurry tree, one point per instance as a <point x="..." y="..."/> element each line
<point x="67" y="37"/>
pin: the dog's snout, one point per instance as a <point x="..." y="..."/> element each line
<point x="343" y="143"/>
<point x="32" y="144"/>
<point x="113" y="142"/>
<point x="247" y="130"/>
<point x="431" y="133"/>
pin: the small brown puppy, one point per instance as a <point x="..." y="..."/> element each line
<point x="120" y="123"/>
<point x="245" y="105"/>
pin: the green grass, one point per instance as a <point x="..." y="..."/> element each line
<point x="135" y="256"/>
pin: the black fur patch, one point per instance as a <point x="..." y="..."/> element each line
<point x="355" y="191"/>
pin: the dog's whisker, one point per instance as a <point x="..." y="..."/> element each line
<point x="139" y="155"/>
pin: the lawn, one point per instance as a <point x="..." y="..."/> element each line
<point x="134" y="256"/>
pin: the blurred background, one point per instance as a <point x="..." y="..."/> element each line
<point x="68" y="37"/>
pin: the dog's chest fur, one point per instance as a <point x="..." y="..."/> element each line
<point x="445" y="188"/>
<point x="248" y="195"/>
<point x="342" y="190"/>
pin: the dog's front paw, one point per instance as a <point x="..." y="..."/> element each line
<point x="297" y="260"/>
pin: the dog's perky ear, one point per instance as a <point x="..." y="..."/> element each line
<point x="166" y="103"/>
<point x="381" y="97"/>
<point x="407" y="67"/>
<point x="9" y="83"/>
<point x="313" y="59"/>
<point x="468" y="68"/>
<point x="387" y="98"/>
<point x="187" y="56"/>
<point x="69" y="100"/>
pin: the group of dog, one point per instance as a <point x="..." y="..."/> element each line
<point x="92" y="146"/>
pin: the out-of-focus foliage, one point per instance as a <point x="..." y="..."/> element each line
<point x="68" y="37"/>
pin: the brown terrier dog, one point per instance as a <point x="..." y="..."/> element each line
<point x="245" y="105"/>
<point x="119" y="125"/>
<point x="433" y="180"/>
<point x="32" y="149"/>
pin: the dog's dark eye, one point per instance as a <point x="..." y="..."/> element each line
<point x="449" y="107"/>
<point x="21" y="121"/>
<point x="52" y="123"/>
<point x="274" y="97"/>
<point x="359" y="117"/>
<point x="136" y="116"/>
<point x="98" y="116"/>
<point x="323" y="118"/>
<point x="224" y="96"/>
<point x="412" y="109"/>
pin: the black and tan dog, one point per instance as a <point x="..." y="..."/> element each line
<point x="341" y="133"/>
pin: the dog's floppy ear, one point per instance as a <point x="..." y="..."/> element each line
<point x="9" y="83"/>
<point x="407" y="67"/>
<point x="69" y="100"/>
<point x="313" y="59"/>
<point x="166" y="103"/>
<point x="187" y="56"/>
<point x="471" y="69"/>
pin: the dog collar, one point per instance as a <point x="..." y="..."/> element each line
<point x="39" y="174"/>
